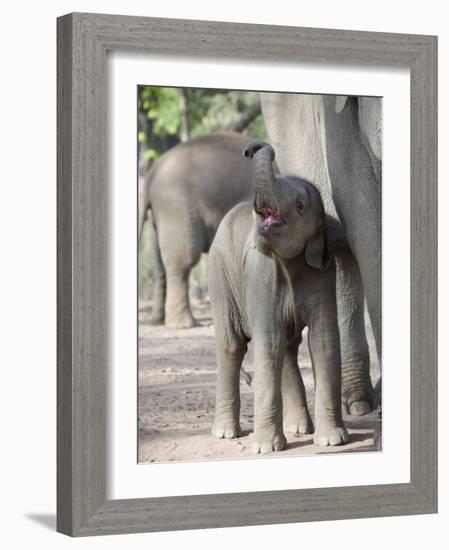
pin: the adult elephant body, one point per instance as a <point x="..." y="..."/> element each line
<point x="335" y="141"/>
<point x="189" y="190"/>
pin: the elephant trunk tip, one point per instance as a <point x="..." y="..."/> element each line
<point x="255" y="146"/>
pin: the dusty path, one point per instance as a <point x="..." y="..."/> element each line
<point x="177" y="393"/>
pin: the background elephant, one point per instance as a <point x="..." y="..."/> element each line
<point x="270" y="275"/>
<point x="189" y="190"/>
<point x="335" y="141"/>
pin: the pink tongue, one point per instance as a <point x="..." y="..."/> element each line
<point x="271" y="219"/>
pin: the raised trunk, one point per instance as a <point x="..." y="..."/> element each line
<point x="263" y="175"/>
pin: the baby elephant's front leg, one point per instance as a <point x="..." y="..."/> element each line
<point x="227" y="405"/>
<point x="268" y="433"/>
<point x="324" y="345"/>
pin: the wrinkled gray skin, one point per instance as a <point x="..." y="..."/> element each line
<point x="270" y="275"/>
<point x="189" y="190"/>
<point x="335" y="141"/>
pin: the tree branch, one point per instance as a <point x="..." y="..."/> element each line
<point x="246" y="118"/>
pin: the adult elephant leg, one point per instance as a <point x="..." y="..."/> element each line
<point x="357" y="194"/>
<point x="365" y="241"/>
<point x="159" y="288"/>
<point x="371" y="272"/>
<point x="180" y="252"/>
<point x="177" y="305"/>
<point x="296" y="418"/>
<point x="357" y="390"/>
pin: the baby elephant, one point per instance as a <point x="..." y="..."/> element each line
<point x="270" y="275"/>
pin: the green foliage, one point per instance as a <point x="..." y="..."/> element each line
<point x="151" y="154"/>
<point x="206" y="111"/>
<point x="164" y="110"/>
<point x="161" y="106"/>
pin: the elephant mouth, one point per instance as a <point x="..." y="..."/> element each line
<point x="271" y="219"/>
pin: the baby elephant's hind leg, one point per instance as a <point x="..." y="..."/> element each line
<point x="227" y="406"/>
<point x="296" y="417"/>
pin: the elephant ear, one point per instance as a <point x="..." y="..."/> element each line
<point x="340" y="102"/>
<point x="317" y="252"/>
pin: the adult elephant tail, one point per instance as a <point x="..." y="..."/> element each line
<point x="144" y="201"/>
<point x="159" y="276"/>
<point x="160" y="281"/>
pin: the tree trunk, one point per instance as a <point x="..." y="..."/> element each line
<point x="184" y="132"/>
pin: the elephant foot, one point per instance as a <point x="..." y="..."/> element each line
<point x="358" y="399"/>
<point x="378" y="395"/>
<point x="377" y="436"/>
<point x="159" y="320"/>
<point x="226" y="428"/>
<point x="300" y="424"/>
<point x="181" y="321"/>
<point x="263" y="444"/>
<point x="359" y="408"/>
<point x="330" y="436"/>
<point x="358" y="402"/>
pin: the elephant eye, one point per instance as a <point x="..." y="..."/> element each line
<point x="300" y="206"/>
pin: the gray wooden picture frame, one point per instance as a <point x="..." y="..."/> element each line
<point x="83" y="40"/>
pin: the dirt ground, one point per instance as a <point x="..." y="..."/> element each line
<point x="177" y="395"/>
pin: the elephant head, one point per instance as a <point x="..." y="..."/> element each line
<point x="289" y="212"/>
